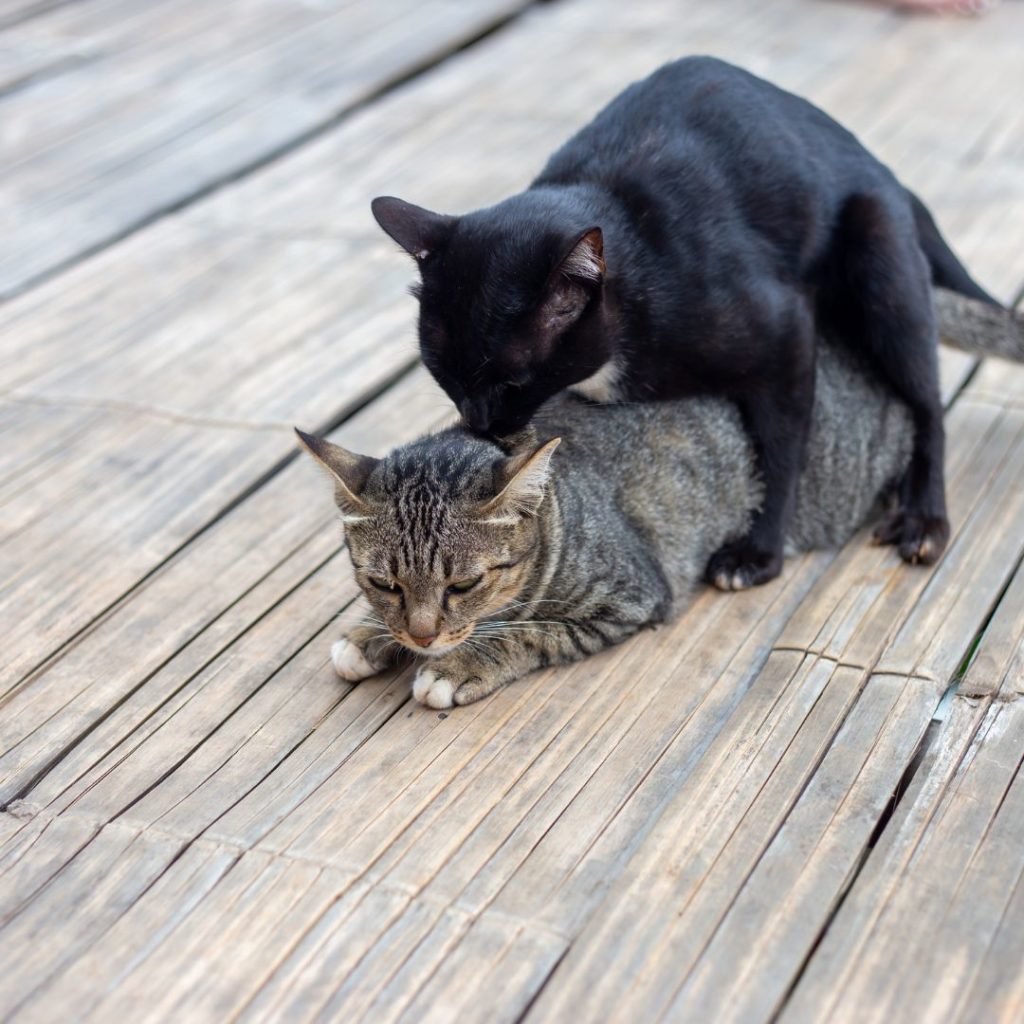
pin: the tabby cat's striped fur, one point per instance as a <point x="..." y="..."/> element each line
<point x="491" y="564"/>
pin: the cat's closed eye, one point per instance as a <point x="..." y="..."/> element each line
<point x="464" y="586"/>
<point x="387" y="586"/>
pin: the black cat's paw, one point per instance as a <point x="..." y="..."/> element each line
<point x="920" y="539"/>
<point x="739" y="565"/>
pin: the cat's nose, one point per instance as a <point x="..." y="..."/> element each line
<point x="423" y="641"/>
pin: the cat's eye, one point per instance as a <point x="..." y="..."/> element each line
<point x="389" y="587"/>
<point x="464" y="586"/>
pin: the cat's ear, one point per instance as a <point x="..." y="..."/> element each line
<point x="419" y="232"/>
<point x="573" y="283"/>
<point x="522" y="482"/>
<point x="347" y="470"/>
<point x="585" y="260"/>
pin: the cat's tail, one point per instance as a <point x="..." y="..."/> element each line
<point x="947" y="270"/>
<point x="974" y="326"/>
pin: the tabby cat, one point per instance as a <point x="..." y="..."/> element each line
<point x="491" y="563"/>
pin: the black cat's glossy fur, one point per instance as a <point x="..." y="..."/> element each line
<point x="691" y="240"/>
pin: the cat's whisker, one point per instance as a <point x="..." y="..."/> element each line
<point x="477" y="644"/>
<point x="489" y="637"/>
<point x="497" y="633"/>
<point x="521" y="624"/>
<point x="516" y="603"/>
<point x="524" y="607"/>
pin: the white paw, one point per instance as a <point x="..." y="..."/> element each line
<point x="432" y="689"/>
<point x="350" y="663"/>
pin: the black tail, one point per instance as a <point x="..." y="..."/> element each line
<point x="947" y="270"/>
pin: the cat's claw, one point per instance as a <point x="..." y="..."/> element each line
<point x="433" y="690"/>
<point x="350" y="663"/>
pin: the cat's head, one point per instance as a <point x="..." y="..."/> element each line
<point x="442" y="533"/>
<point x="510" y="302"/>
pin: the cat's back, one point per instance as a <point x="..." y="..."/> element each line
<point x="700" y="116"/>
<point x="671" y="478"/>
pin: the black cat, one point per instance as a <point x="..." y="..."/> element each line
<point x="692" y="239"/>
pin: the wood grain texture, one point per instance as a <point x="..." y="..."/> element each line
<point x="181" y="97"/>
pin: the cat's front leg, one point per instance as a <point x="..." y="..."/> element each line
<point x="361" y="653"/>
<point x="777" y="413"/>
<point x="467" y="674"/>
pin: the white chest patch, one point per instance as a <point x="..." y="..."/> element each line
<point x="601" y="386"/>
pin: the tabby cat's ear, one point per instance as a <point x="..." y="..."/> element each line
<point x="522" y="481"/>
<point x="419" y="232"/>
<point x="348" y="470"/>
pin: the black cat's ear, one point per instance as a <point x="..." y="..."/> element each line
<point x="585" y="260"/>
<point x="347" y="470"/>
<point x="522" y="481"/>
<point x="572" y="285"/>
<point x="419" y="232"/>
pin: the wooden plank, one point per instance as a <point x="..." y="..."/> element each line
<point x="100" y="882"/>
<point x="843" y="71"/>
<point x="756" y="953"/>
<point x="63" y="569"/>
<point x="369" y="934"/>
<point x="407" y="142"/>
<point x="479" y="774"/>
<point x="184" y="96"/>
<point x="996" y="991"/>
<point x="203" y="962"/>
<point x="732" y="610"/>
<point x="74" y="991"/>
<point x="327" y="953"/>
<point x="32" y="856"/>
<point x="976" y="908"/>
<point x="500" y="965"/>
<point x="557" y="862"/>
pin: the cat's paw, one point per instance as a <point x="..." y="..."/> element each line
<point x="739" y="566"/>
<point x="350" y="662"/>
<point x="920" y="539"/>
<point x="433" y="689"/>
<point x="443" y="689"/>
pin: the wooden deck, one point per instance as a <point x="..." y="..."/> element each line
<point x="802" y="803"/>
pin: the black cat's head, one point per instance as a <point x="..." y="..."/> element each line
<point x="510" y="303"/>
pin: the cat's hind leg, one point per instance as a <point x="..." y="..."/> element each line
<point x="887" y="312"/>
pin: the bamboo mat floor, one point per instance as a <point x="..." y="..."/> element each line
<point x="802" y="803"/>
